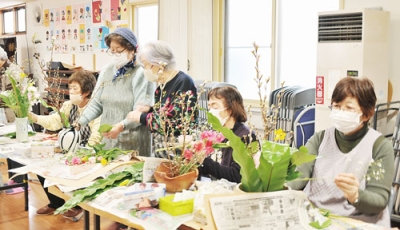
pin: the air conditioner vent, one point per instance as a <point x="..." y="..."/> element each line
<point x="340" y="27"/>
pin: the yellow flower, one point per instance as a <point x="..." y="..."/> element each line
<point x="279" y="135"/>
<point x="103" y="161"/>
<point x="124" y="183"/>
<point x="22" y="75"/>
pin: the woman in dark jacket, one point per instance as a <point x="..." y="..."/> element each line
<point x="226" y="104"/>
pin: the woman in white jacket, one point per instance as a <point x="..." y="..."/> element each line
<point x="81" y="85"/>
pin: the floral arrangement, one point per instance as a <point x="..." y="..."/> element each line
<point x="196" y="151"/>
<point x="23" y="93"/>
<point x="56" y="98"/>
<point x="277" y="161"/>
<point x="96" y="155"/>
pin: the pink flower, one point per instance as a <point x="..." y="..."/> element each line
<point x="188" y="154"/>
<point x="198" y="146"/>
<point x="76" y="160"/>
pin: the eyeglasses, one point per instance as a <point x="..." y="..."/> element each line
<point x="117" y="54"/>
<point x="345" y="109"/>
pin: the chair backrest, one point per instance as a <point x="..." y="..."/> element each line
<point x="394" y="202"/>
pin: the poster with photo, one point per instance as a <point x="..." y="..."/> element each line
<point x="88" y="13"/>
<point x="82" y="34"/>
<point x="105" y="10"/>
<point x="96" y="37"/>
<point x="104" y="32"/>
<point x="46" y="21"/>
<point x="63" y="34"/>
<point x="75" y="13"/>
<point x="123" y="14"/>
<point x="81" y="13"/>
<point x="69" y="15"/>
<point x="52" y="17"/>
<point x="63" y="15"/>
<point x="96" y="7"/>
<point x="114" y="10"/>
<point x="57" y="17"/>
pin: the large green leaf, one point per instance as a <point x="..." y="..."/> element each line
<point x="274" y="162"/>
<point x="251" y="181"/>
<point x="135" y="172"/>
<point x="302" y="156"/>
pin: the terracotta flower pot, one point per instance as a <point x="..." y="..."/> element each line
<point x="163" y="174"/>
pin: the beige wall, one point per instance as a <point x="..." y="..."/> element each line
<point x="392" y="6"/>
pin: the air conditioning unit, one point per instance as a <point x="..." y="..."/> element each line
<point x="350" y="44"/>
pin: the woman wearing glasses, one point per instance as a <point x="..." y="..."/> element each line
<point x="354" y="169"/>
<point x="120" y="87"/>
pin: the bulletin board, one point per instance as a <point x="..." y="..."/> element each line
<point x="80" y="28"/>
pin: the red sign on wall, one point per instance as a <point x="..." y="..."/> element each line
<point x="319" y="90"/>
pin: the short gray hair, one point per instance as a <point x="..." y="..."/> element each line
<point x="3" y="54"/>
<point x="156" y="52"/>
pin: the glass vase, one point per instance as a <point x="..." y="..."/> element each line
<point x="21" y="129"/>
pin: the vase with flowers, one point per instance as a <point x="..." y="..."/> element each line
<point x="20" y="99"/>
<point x="277" y="160"/>
<point x="181" y="172"/>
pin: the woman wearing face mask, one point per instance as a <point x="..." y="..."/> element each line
<point x="121" y="86"/>
<point x="345" y="152"/>
<point x="226" y="104"/>
<point x="81" y="85"/>
<point x="159" y="63"/>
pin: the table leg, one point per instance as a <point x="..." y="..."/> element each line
<point x="26" y="192"/>
<point x="86" y="224"/>
<point x="96" y="222"/>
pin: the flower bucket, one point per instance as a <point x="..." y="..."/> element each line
<point x="21" y="129"/>
<point x="69" y="139"/>
<point x="163" y="174"/>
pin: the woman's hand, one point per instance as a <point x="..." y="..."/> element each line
<point x="33" y="117"/>
<point x="114" y="132"/>
<point x="134" y="116"/>
<point x="349" y="184"/>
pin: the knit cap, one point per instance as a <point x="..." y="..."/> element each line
<point x="127" y="34"/>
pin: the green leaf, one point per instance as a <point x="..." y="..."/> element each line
<point x="274" y="162"/>
<point x="302" y="156"/>
<point x="104" y="128"/>
<point x="251" y="181"/>
<point x="13" y="135"/>
<point x="324" y="225"/>
<point x="133" y="172"/>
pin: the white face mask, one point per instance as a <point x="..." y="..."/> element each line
<point x="150" y="76"/>
<point x="345" y="122"/>
<point x="121" y="60"/>
<point x="76" y="99"/>
<point x="216" y="113"/>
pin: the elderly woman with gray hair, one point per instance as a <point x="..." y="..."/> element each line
<point x="158" y="62"/>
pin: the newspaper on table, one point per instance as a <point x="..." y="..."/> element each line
<point x="273" y="210"/>
<point x="288" y="209"/>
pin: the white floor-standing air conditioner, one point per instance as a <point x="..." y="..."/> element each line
<point x="350" y="43"/>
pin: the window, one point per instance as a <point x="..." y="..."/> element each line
<point x="14" y="20"/>
<point x="294" y="61"/>
<point x="247" y="21"/>
<point x="146" y="23"/>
